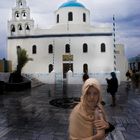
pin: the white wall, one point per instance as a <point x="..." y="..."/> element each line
<point x="97" y="61"/>
<point x="121" y="61"/>
<point x="77" y="15"/>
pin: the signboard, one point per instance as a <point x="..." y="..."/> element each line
<point x="67" y="57"/>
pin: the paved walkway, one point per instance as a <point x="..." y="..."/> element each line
<point x="29" y="116"/>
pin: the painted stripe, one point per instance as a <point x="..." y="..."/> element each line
<point x="60" y="35"/>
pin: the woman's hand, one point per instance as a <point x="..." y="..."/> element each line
<point x="101" y="124"/>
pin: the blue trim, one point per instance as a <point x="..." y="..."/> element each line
<point x="60" y="35"/>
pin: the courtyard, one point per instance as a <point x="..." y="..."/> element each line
<point x="28" y="115"/>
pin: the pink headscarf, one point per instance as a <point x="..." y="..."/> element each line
<point x="82" y="118"/>
<point x="88" y="83"/>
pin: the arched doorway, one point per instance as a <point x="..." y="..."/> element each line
<point x="66" y="68"/>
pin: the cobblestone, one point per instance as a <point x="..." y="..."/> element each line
<point x="28" y="115"/>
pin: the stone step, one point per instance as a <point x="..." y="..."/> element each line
<point x="34" y="82"/>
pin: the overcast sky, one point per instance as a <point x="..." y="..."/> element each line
<point x="127" y="15"/>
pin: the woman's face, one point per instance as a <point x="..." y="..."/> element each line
<point x="92" y="97"/>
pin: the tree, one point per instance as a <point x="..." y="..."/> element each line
<point x="22" y="59"/>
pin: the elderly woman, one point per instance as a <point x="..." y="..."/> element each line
<point x="87" y="119"/>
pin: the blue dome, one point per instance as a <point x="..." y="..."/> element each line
<point x="71" y="3"/>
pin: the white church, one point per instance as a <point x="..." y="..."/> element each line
<point x="69" y="48"/>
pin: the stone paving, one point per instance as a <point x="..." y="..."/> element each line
<point x="29" y="116"/>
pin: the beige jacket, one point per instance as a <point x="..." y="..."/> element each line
<point x="81" y="118"/>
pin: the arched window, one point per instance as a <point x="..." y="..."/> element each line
<point x="103" y="47"/>
<point x="24" y="14"/>
<point x="84" y="17"/>
<point x="12" y="28"/>
<point x="34" y="49"/>
<point x="17" y="14"/>
<point x="70" y="16"/>
<point x="20" y="27"/>
<point x="85" y="68"/>
<point x="50" y="48"/>
<point x="57" y="18"/>
<point x="20" y="3"/>
<point x="67" y="48"/>
<point x="50" y="68"/>
<point x="18" y="47"/>
<point x="85" y="48"/>
<point x="27" y="27"/>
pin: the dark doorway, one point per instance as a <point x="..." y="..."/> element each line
<point x="66" y="68"/>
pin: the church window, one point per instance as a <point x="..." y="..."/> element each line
<point x="50" y="48"/>
<point x="70" y="16"/>
<point x="50" y="68"/>
<point x="27" y="27"/>
<point x="103" y="49"/>
<point x="67" y="48"/>
<point x="85" y="48"/>
<point x="34" y="49"/>
<point x="24" y="14"/>
<point x="84" y="17"/>
<point x="12" y="28"/>
<point x="18" y="47"/>
<point x="57" y="18"/>
<point x="17" y="14"/>
<point x="20" y="3"/>
<point x="85" y="68"/>
<point x="20" y="27"/>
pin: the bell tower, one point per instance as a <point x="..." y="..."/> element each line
<point x="20" y="24"/>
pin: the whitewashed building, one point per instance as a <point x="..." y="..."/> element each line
<point x="72" y="44"/>
<point x="122" y="62"/>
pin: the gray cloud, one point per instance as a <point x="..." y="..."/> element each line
<point x="126" y="14"/>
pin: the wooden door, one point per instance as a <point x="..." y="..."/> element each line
<point x="66" y="68"/>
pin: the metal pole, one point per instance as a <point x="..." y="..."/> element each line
<point x="53" y="52"/>
<point x="114" y="42"/>
<point x="69" y="54"/>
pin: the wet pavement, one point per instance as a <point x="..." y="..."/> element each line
<point x="29" y="116"/>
